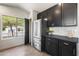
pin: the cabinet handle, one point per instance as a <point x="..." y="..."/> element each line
<point x="66" y="43"/>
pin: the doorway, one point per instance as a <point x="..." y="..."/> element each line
<point x="26" y="31"/>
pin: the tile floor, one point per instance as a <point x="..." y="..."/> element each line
<point x="24" y="50"/>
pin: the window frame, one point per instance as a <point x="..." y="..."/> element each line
<point x="1" y="23"/>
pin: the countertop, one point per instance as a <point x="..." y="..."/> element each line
<point x="71" y="39"/>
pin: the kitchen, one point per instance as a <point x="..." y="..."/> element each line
<point x="53" y="30"/>
<point x="57" y="44"/>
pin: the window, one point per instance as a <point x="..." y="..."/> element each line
<point x="12" y="26"/>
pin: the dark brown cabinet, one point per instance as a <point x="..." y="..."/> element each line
<point x="59" y="47"/>
<point x="44" y="29"/>
<point x="54" y="16"/>
<point x="67" y="48"/>
<point x="43" y="16"/>
<point x="52" y="46"/>
<point x="43" y="43"/>
<point x="69" y="14"/>
<point x="60" y="15"/>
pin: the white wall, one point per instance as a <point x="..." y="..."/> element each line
<point x="11" y="11"/>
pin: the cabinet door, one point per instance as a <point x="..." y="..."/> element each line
<point x="54" y="16"/>
<point x="52" y="46"/>
<point x="43" y="43"/>
<point x="67" y="48"/>
<point x="44" y="27"/>
<point x="39" y="16"/>
<point x="69" y="14"/>
<point x="42" y="15"/>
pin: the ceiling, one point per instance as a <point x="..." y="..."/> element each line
<point x="31" y="6"/>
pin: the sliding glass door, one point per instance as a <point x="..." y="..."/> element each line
<point x="12" y="27"/>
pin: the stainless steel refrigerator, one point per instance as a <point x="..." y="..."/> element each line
<point x="37" y="34"/>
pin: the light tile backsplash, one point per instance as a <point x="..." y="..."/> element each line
<point x="65" y="30"/>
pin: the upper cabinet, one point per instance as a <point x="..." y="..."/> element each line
<point x="54" y="16"/>
<point x="69" y="14"/>
<point x="60" y="15"/>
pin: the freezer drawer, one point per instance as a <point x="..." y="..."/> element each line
<point x="37" y="46"/>
<point x="37" y="43"/>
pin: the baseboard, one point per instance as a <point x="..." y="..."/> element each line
<point x="10" y="47"/>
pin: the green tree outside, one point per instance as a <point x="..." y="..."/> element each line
<point x="9" y="21"/>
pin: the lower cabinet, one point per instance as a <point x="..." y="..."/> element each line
<point x="57" y="47"/>
<point x="52" y="46"/>
<point x="43" y="43"/>
<point x="67" y="48"/>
